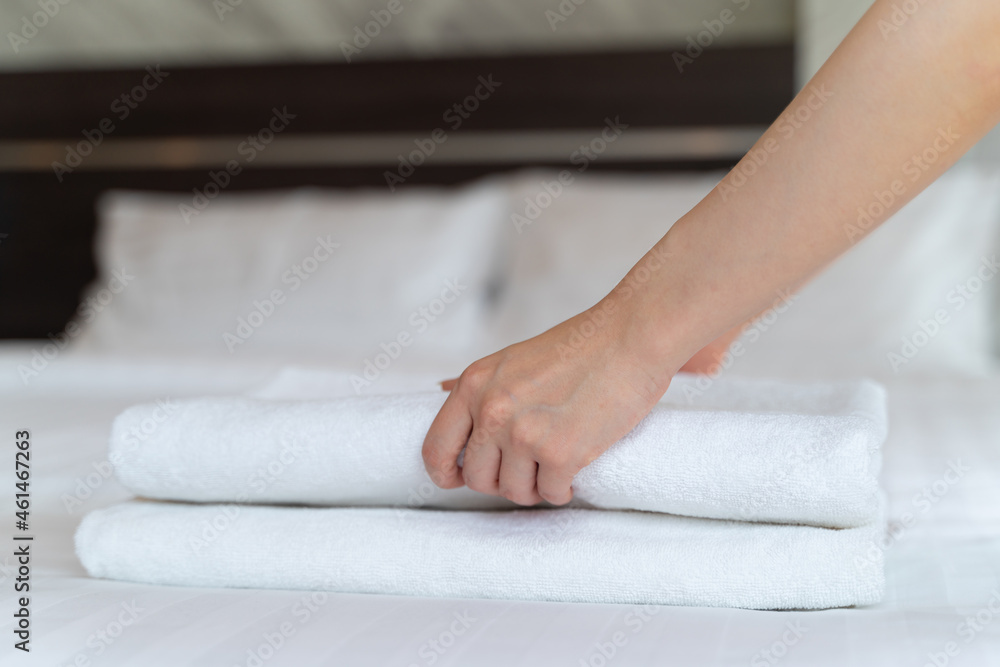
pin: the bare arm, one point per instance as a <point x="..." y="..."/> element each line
<point x="888" y="113"/>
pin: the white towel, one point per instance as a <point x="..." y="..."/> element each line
<point x="569" y="555"/>
<point x="742" y="449"/>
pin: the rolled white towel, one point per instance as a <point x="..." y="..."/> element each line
<point x="746" y="450"/>
<point x="568" y="555"/>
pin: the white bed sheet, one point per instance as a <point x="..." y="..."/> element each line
<point x="944" y="567"/>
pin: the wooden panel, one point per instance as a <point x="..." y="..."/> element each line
<point x="726" y="86"/>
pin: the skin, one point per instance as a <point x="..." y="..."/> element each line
<point x="533" y="414"/>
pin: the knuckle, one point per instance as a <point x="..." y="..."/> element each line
<point x="475" y="376"/>
<point x="442" y="470"/>
<point x="523" y="435"/>
<point x="495" y="410"/>
<point x="430" y="449"/>
<point x="477" y="443"/>
<point x="480" y="484"/>
<point x="441" y="477"/>
<point x="435" y="460"/>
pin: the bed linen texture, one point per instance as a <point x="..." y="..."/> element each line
<point x="942" y="556"/>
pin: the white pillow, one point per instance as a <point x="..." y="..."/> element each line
<point x="258" y="274"/>
<point x="891" y="305"/>
<point x="844" y="323"/>
<point x="569" y="250"/>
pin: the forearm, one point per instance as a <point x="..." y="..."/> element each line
<point x="530" y="416"/>
<point x="885" y="116"/>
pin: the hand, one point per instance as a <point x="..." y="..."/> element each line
<point x="534" y="414"/>
<point x="702" y="362"/>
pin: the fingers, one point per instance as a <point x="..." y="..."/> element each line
<point x="491" y="464"/>
<point x="517" y="479"/>
<point x="445" y="439"/>
<point x="555" y="483"/>
<point x="485" y="421"/>
<point x="481" y="466"/>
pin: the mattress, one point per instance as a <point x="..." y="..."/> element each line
<point x="941" y="473"/>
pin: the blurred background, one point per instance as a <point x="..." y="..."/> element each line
<point x="229" y="108"/>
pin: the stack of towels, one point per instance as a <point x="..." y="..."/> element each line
<point x="755" y="494"/>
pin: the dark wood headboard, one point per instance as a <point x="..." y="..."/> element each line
<point x="350" y="123"/>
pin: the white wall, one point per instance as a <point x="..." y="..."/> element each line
<point x="96" y="33"/>
<point x="820" y="27"/>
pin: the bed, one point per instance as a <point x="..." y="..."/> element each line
<point x="941" y="465"/>
<point x="170" y="293"/>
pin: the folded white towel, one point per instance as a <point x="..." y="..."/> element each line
<point x="746" y="450"/>
<point x="569" y="555"/>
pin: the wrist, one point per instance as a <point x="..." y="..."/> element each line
<point x="658" y="322"/>
<point x="649" y="351"/>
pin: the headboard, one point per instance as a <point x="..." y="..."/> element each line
<point x="67" y="136"/>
